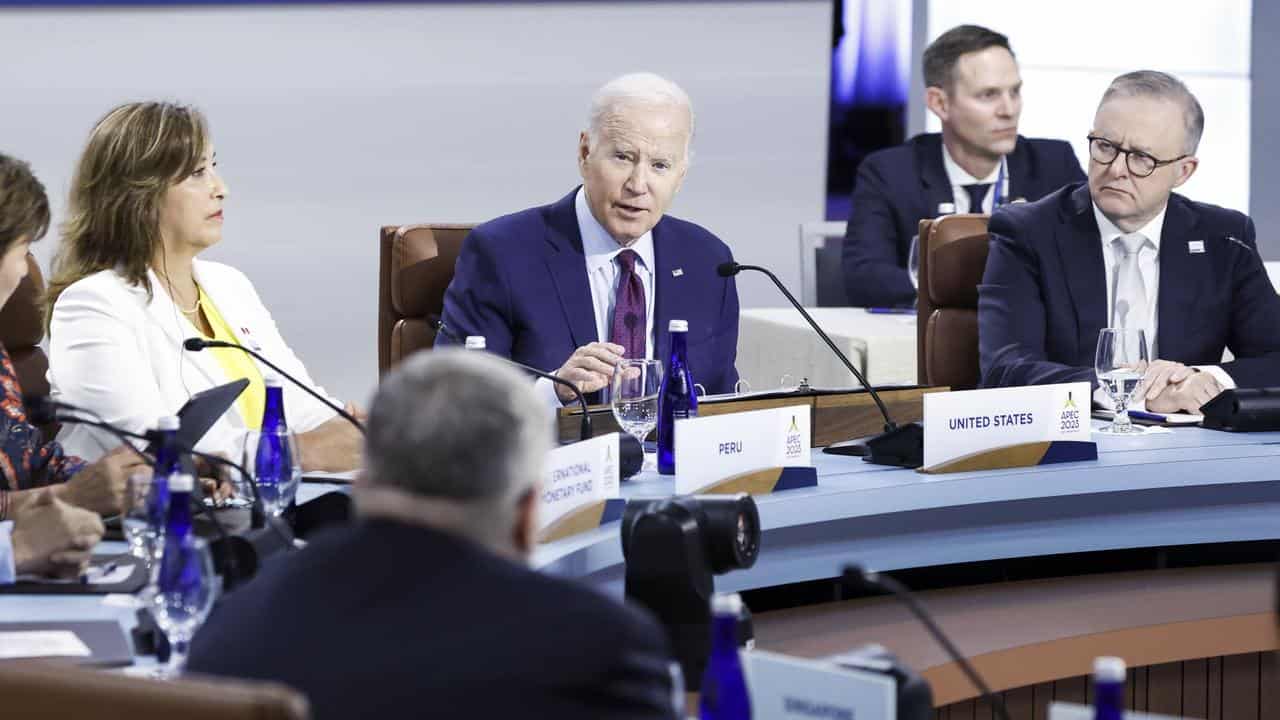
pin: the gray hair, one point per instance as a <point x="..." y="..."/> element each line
<point x="460" y="426"/>
<point x="642" y="88"/>
<point x="1155" y="84"/>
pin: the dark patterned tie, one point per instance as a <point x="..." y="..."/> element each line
<point x="628" y="327"/>
<point x="977" y="193"/>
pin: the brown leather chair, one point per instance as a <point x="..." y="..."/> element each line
<point x="415" y="266"/>
<point x="60" y="690"/>
<point x="952" y="259"/>
<point x="22" y="329"/>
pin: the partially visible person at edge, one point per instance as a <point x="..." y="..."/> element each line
<point x="49" y="500"/>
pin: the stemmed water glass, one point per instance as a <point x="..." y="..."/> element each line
<point x="273" y="458"/>
<point x="1121" y="363"/>
<point x="144" y="514"/>
<point x="186" y="587"/>
<point x="634" y="397"/>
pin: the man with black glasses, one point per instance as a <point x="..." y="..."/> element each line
<point x="1124" y="250"/>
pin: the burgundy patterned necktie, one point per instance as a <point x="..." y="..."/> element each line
<point x="629" y="327"/>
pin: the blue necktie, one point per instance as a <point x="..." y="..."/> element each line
<point x="977" y="193"/>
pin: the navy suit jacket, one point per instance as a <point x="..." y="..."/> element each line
<point x="386" y="620"/>
<point x="1043" y="297"/>
<point x="898" y="187"/>
<point x="521" y="282"/>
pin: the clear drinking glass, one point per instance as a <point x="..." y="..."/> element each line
<point x="635" y="389"/>
<point x="273" y="458"/>
<point x="143" y="519"/>
<point x="186" y="587"/>
<point x="1121" y="363"/>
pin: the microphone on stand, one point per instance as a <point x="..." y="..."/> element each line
<point x="899" y="445"/>
<point x="242" y="555"/>
<point x="198" y="344"/>
<point x="585" y="432"/>
<point x="630" y="451"/>
<point x="859" y="578"/>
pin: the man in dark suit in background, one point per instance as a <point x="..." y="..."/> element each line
<point x="575" y="286"/>
<point x="425" y="607"/>
<point x="1124" y="251"/>
<point x="978" y="162"/>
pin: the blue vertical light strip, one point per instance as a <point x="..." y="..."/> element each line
<point x="881" y="79"/>
<point x="871" y="64"/>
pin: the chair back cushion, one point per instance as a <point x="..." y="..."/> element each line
<point x="952" y="261"/>
<point x="61" y="690"/>
<point x="415" y="267"/>
<point x="22" y="329"/>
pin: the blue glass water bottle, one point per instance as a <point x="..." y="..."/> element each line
<point x="677" y="400"/>
<point x="168" y="464"/>
<point x="724" y="686"/>
<point x="1108" y="688"/>
<point x="272" y="465"/>
<point x="177" y="572"/>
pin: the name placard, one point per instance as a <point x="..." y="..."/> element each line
<point x="788" y="687"/>
<point x="1006" y="427"/>
<point x="715" y="447"/>
<point x="577" y="475"/>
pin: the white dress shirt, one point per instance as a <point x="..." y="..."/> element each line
<point x="603" y="273"/>
<point x="959" y="177"/>
<point x="1149" y="268"/>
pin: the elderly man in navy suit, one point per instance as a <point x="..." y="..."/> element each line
<point x="1124" y="250"/>
<point x="978" y="162"/>
<point x="576" y="286"/>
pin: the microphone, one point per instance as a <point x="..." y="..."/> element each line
<point x="198" y="344"/>
<point x="859" y="578"/>
<point x="241" y="556"/>
<point x="42" y="410"/>
<point x="899" y="445"/>
<point x="584" y="433"/>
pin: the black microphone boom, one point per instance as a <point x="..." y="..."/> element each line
<point x="198" y="344"/>
<point x="584" y="433"/>
<point x="859" y="578"/>
<point x="899" y="445"/>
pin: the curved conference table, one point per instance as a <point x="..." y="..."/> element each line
<point x="1201" y="638"/>
<point x="1188" y="486"/>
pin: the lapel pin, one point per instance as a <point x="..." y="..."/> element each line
<point x="677" y="272"/>
<point x="1195" y="247"/>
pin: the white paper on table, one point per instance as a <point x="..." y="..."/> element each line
<point x="41" y="643"/>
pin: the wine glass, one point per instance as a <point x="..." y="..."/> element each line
<point x="273" y="458"/>
<point x="634" y="398"/>
<point x="186" y="587"/>
<point x="1121" y="363"/>
<point x="146" y="507"/>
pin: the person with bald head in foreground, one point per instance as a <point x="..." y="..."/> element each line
<point x="575" y="286"/>
<point x="426" y="606"/>
<point x="1124" y="250"/>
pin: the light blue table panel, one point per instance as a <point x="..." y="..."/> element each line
<point x="1189" y="486"/>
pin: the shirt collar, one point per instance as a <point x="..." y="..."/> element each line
<point x="599" y="246"/>
<point x="959" y="177"/>
<point x="1109" y="231"/>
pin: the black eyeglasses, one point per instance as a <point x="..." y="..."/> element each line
<point x="1105" y="152"/>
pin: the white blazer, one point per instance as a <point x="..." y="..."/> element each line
<point x="116" y="353"/>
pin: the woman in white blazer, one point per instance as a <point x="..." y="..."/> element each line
<point x="127" y="289"/>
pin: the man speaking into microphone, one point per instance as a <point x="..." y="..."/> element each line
<point x="576" y="286"/>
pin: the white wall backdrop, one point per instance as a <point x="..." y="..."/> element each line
<point x="1069" y="53"/>
<point x="332" y="120"/>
